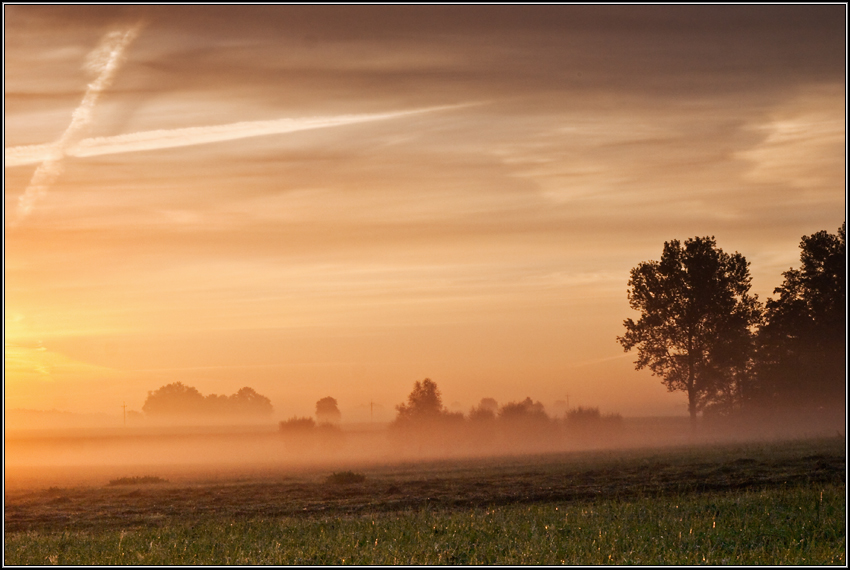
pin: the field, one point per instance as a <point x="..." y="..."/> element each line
<point x="757" y="503"/>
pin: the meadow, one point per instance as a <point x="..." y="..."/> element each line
<point x="755" y="503"/>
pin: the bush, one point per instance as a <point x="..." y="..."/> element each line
<point x="137" y="480"/>
<point x="583" y="415"/>
<point x="523" y="411"/>
<point x="346" y="478"/>
<point x="297" y="425"/>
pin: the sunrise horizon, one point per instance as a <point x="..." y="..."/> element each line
<point x="339" y="203"/>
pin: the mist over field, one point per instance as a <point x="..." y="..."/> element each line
<point x="553" y="284"/>
<point x="69" y="456"/>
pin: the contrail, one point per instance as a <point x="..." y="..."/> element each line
<point x="190" y="136"/>
<point x="104" y="61"/>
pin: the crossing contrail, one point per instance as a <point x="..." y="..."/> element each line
<point x="190" y="136"/>
<point x="104" y="61"/>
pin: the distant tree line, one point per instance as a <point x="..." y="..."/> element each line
<point x="327" y="420"/>
<point x="424" y="420"/>
<point x="424" y="407"/>
<point x="177" y="399"/>
<point x="702" y="332"/>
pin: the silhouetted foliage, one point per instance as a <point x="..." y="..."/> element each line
<point x="591" y="416"/>
<point x="525" y="410"/>
<point x="174" y="400"/>
<point x="485" y="411"/>
<point x="695" y="328"/>
<point x="327" y="411"/>
<point x="297" y="425"/>
<point x="247" y="401"/>
<point x="345" y="478"/>
<point x="520" y="423"/>
<point x="423" y="423"/>
<point x="134" y="417"/>
<point x="801" y="348"/>
<point x="424" y="402"/>
<point x="304" y="434"/>
<point x="589" y="424"/>
<point x="146" y="480"/>
<point x="179" y="400"/>
<point x="583" y="415"/>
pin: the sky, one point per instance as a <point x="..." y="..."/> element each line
<point x="339" y="201"/>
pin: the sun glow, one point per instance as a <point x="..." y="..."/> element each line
<point x="259" y="197"/>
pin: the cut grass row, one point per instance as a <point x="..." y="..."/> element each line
<point x="801" y="525"/>
<point x="457" y="485"/>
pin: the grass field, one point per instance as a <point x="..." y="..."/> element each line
<point x="776" y="503"/>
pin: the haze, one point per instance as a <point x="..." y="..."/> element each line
<point x="482" y="182"/>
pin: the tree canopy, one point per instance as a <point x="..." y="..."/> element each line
<point x="177" y="399"/>
<point x="801" y="348"/>
<point x="523" y="411"/>
<point x="174" y="399"/>
<point x="695" y="329"/>
<point x="327" y="410"/>
<point x="424" y="401"/>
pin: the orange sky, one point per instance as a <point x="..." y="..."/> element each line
<point x="483" y="241"/>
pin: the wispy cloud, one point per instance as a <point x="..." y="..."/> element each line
<point x="104" y="61"/>
<point x="190" y="136"/>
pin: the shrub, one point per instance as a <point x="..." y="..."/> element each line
<point x="345" y="478"/>
<point x="146" y="480"/>
<point x="525" y="410"/>
<point x="297" y="425"/>
<point x="485" y="411"/>
<point x="582" y="415"/>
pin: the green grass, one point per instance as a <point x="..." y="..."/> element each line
<point x="800" y="525"/>
<point x="754" y="503"/>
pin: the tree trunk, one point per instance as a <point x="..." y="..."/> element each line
<point x="692" y="408"/>
<point x="692" y="392"/>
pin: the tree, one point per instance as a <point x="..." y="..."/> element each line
<point x="423" y="424"/>
<point x="248" y="402"/>
<point x="174" y="399"/>
<point x="803" y="339"/>
<point x="177" y="399"/>
<point x="485" y="411"/>
<point x="695" y="328"/>
<point x="327" y="411"/>
<point x="527" y="410"/>
<point x="423" y="402"/>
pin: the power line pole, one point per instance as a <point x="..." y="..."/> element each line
<point x="124" y="406"/>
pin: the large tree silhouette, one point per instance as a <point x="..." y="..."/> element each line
<point x="803" y="340"/>
<point x="696" y="319"/>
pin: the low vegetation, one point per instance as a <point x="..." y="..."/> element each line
<point x="297" y="425"/>
<point x="146" y="480"/>
<point x="768" y="503"/>
<point x="801" y="526"/>
<point x="346" y="478"/>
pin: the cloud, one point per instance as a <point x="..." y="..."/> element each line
<point x="804" y="142"/>
<point x="104" y="61"/>
<point x="190" y="136"/>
